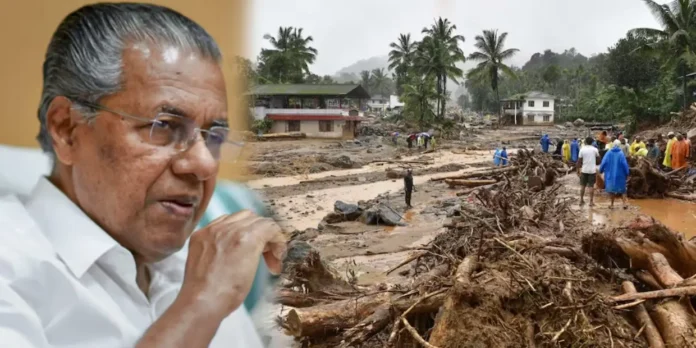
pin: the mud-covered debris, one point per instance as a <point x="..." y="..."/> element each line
<point x="381" y="215"/>
<point x="349" y="211"/>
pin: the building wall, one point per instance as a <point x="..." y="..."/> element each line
<point x="26" y="28"/>
<point x="538" y="110"/>
<point x="311" y="128"/>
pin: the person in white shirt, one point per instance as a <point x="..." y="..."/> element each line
<point x="134" y="114"/>
<point x="587" y="169"/>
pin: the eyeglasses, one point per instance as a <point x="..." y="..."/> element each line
<point x="180" y="133"/>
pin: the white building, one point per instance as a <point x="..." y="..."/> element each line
<point x="378" y="103"/>
<point x="531" y="108"/>
<point x="319" y="111"/>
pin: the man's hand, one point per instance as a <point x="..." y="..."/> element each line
<point x="223" y="258"/>
<point x="220" y="269"/>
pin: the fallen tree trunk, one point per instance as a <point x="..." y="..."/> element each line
<point x="400" y="162"/>
<point x="333" y="317"/>
<point x="652" y="335"/>
<point x="446" y="331"/>
<point x="469" y="183"/>
<point x="489" y="172"/>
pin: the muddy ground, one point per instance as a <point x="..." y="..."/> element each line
<point x="302" y="189"/>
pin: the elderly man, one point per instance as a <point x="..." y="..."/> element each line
<point x="133" y="111"/>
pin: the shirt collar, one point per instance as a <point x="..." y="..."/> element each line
<point x="78" y="240"/>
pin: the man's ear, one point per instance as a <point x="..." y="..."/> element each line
<point x="60" y="125"/>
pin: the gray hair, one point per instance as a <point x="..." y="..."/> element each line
<point x="84" y="57"/>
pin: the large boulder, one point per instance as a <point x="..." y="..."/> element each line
<point x="349" y="211"/>
<point x="320" y="167"/>
<point x="381" y="215"/>
<point x="568" y="124"/>
<point x="579" y="122"/>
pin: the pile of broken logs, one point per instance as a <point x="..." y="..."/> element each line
<point x="509" y="272"/>
<point x="538" y="169"/>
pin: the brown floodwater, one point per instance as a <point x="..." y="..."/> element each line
<point x="676" y="214"/>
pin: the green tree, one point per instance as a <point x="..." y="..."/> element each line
<point x="437" y="56"/>
<point x="401" y="58"/>
<point x="381" y="84"/>
<point x="676" y="41"/>
<point x="289" y="59"/>
<point x="551" y="74"/>
<point x="365" y="80"/>
<point x="628" y="66"/>
<point x="490" y="55"/>
<point x="418" y="96"/>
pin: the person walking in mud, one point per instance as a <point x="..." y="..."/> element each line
<point x="587" y="169"/>
<point x="408" y="187"/>
<point x="615" y="169"/>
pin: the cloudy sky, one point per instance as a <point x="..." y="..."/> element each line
<point x="347" y="31"/>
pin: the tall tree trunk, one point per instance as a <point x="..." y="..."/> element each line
<point x="444" y="96"/>
<point x="497" y="98"/>
<point x="683" y="69"/>
<point x="439" y="93"/>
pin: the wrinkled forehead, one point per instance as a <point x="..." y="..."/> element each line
<point x="166" y="75"/>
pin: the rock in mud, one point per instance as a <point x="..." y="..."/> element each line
<point x="579" y="122"/>
<point x="393" y="174"/>
<point x="568" y="124"/>
<point x="350" y="212"/>
<point x="333" y="218"/>
<point x="381" y="215"/>
<point x="341" y="162"/>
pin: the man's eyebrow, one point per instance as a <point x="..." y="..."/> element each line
<point x="169" y="109"/>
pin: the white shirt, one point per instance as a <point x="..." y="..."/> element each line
<point x="64" y="282"/>
<point x="589" y="155"/>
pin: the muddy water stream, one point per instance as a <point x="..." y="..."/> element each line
<point x="440" y="159"/>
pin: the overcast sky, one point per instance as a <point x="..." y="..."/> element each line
<point x="347" y="31"/>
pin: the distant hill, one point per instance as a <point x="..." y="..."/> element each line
<point x="352" y="73"/>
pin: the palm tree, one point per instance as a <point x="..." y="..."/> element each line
<point x="418" y="94"/>
<point x="438" y="55"/>
<point x="290" y="57"/>
<point x="365" y="80"/>
<point x="380" y="82"/>
<point x="491" y="54"/>
<point x="400" y="58"/>
<point x="677" y="38"/>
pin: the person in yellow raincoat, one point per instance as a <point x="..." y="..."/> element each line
<point x="636" y="145"/>
<point x="668" y="151"/>
<point x="566" y="151"/>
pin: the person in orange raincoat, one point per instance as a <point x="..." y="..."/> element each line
<point x="680" y="152"/>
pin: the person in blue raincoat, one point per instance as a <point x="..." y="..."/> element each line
<point x="574" y="150"/>
<point x="496" y="157"/>
<point x="615" y="169"/>
<point x="545" y="142"/>
<point x="504" y="156"/>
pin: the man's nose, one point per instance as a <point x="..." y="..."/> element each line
<point x="196" y="161"/>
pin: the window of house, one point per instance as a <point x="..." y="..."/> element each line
<point x="530" y="103"/>
<point x="546" y="104"/>
<point x="293" y="126"/>
<point x="547" y="118"/>
<point x="326" y="126"/>
<point x="530" y="118"/>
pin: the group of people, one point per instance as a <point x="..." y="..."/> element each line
<point x="421" y="139"/>
<point x="609" y="156"/>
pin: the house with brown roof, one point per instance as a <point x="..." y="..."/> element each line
<point x="319" y="111"/>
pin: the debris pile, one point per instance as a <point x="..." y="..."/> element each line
<point x="509" y="272"/>
<point x="664" y="265"/>
<point x="647" y="180"/>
